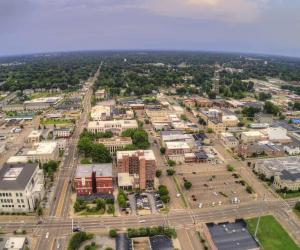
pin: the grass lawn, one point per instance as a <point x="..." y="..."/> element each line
<point x="178" y="188"/>
<point x="297" y="212"/>
<point x="271" y="234"/>
<point x="55" y="121"/>
<point x="289" y="195"/>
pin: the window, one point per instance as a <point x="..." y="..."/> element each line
<point x="22" y="200"/>
<point x="17" y="194"/>
<point x="21" y="194"/>
<point x="18" y="201"/>
<point x="23" y="205"/>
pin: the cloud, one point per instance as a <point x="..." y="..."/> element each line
<point x="218" y="10"/>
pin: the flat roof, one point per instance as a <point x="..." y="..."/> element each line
<point x="148" y="154"/>
<point x="17" y="159"/>
<point x="16" y="176"/>
<point x="85" y="170"/>
<point x="232" y="236"/>
<point x="41" y="148"/>
<point x="125" y="180"/>
<point x="177" y="145"/>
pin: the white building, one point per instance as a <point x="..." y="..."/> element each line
<point x="34" y="136"/>
<point x="252" y="136"/>
<point x="100" y="113"/>
<point x="291" y="150"/>
<point x="115" y="126"/>
<point x="62" y="132"/>
<point x="277" y="134"/>
<point x="21" y="187"/>
<point x="14" y="243"/>
<point x="17" y="159"/>
<point x="44" y="152"/>
<point x="230" y="120"/>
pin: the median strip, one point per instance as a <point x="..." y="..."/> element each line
<point x="182" y="196"/>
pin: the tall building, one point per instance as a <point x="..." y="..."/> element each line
<point x="140" y="163"/>
<point x="115" y="126"/>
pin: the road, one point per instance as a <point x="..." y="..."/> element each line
<point x="63" y="190"/>
<point x="179" y="219"/>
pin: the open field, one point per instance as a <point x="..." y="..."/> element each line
<point x="271" y="234"/>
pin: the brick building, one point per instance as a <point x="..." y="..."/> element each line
<point x="94" y="179"/>
<point x="141" y="163"/>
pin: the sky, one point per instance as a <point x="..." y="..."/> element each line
<point x="254" y="26"/>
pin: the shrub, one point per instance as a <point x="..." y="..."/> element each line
<point x="158" y="173"/>
<point x="171" y="163"/>
<point x="187" y="185"/>
<point x="170" y="172"/>
<point x="113" y="233"/>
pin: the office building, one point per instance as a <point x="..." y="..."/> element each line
<point x="141" y="163"/>
<point x="21" y="187"/>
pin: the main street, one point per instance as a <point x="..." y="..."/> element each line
<point x="63" y="190"/>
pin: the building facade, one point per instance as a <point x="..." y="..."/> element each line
<point x="141" y="163"/>
<point x="21" y="187"/>
<point x="94" y="179"/>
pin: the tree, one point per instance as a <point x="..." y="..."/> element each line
<point x="39" y="211"/>
<point x="170" y="172"/>
<point x="162" y="150"/>
<point x="271" y="108"/>
<point x="297" y="206"/>
<point x="171" y="163"/>
<point x="230" y="168"/>
<point x="163" y="190"/>
<point x="183" y="117"/>
<point x="85" y="146"/>
<point x="111" y="209"/>
<point x="79" y="205"/>
<point x="121" y="199"/>
<point x="100" y="154"/>
<point x="158" y="173"/>
<point x="249" y="189"/>
<point x="250" y="111"/>
<point x="77" y="239"/>
<point x="187" y="185"/>
<point x="263" y="96"/>
<point x="100" y="204"/>
<point x="113" y="233"/>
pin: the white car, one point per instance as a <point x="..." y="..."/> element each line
<point x="200" y="205"/>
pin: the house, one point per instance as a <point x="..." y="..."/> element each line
<point x="203" y="102"/>
<point x="230" y="120"/>
<point x="229" y="140"/>
<point x="263" y="118"/>
<point x="21" y="187"/>
<point x="138" y="163"/>
<point x="216" y="127"/>
<point x="93" y="179"/>
<point x="100" y="94"/>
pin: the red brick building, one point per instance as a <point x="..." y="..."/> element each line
<point x="141" y="163"/>
<point x="94" y="179"/>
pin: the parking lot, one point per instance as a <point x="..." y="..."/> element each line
<point x="214" y="188"/>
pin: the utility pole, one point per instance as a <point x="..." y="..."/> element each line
<point x="258" y="221"/>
